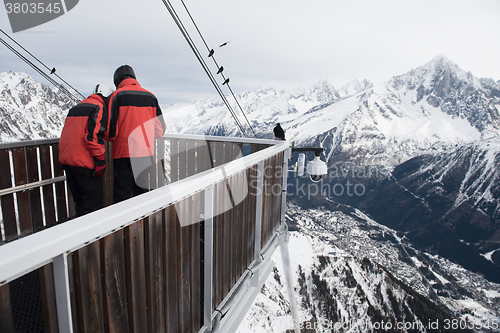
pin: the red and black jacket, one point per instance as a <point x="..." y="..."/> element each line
<point x="82" y="136"/>
<point x="135" y="120"/>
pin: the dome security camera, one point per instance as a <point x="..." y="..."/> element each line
<point x="316" y="169"/>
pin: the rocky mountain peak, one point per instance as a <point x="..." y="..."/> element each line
<point x="30" y="110"/>
<point x="436" y="74"/>
<point x="354" y="87"/>
<point x="442" y="84"/>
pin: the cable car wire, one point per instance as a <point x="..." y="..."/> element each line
<point x="41" y="72"/>
<point x="198" y="55"/>
<point x="186" y="35"/>
<point x="220" y="68"/>
<point x="52" y="71"/>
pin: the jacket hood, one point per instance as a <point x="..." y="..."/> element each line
<point x="96" y="97"/>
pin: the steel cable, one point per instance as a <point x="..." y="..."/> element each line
<point x="41" y="72"/>
<point x="218" y="67"/>
<point x="191" y="43"/>
<point x="49" y="69"/>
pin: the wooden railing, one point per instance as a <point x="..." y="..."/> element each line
<point x="159" y="262"/>
<point x="32" y="188"/>
<point x="34" y="195"/>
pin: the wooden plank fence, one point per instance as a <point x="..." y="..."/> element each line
<point x="33" y="192"/>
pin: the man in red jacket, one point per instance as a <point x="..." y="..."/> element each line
<point x="81" y="149"/>
<point x="135" y="121"/>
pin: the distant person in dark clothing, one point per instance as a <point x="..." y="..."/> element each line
<point x="135" y="122"/>
<point x="279" y="133"/>
<point x="81" y="149"/>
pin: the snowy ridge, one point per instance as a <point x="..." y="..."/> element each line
<point x="430" y="109"/>
<point x="340" y="282"/>
<point x="30" y="110"/>
<point x="481" y="180"/>
<point x="264" y="108"/>
<point x="354" y="87"/>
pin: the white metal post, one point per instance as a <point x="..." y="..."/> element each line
<point x="208" y="263"/>
<point x="258" y="209"/>
<point x="287" y="269"/>
<point x="63" y="299"/>
<point x="283" y="244"/>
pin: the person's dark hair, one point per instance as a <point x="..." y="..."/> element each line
<point x="122" y="73"/>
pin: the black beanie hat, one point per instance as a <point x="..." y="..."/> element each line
<point x="122" y="73"/>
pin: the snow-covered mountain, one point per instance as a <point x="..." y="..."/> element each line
<point x="447" y="203"/>
<point x="353" y="274"/>
<point x="429" y="109"/>
<point x="30" y="110"/>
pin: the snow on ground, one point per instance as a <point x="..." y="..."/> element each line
<point x="303" y="250"/>
<point x="490" y="254"/>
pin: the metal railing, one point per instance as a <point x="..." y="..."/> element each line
<point x="168" y="260"/>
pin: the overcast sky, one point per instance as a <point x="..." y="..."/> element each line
<point x="283" y="44"/>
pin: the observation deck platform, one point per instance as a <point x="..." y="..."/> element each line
<point x="190" y="255"/>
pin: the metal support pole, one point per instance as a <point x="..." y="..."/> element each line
<point x="287" y="269"/>
<point x="63" y="299"/>
<point x="209" y="249"/>
<point x="258" y="210"/>
<point x="283" y="244"/>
